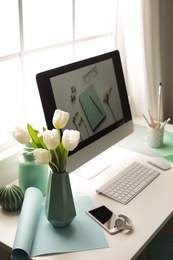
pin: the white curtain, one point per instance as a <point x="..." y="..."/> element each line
<point x="138" y="39"/>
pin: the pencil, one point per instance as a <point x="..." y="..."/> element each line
<point x="151" y="119"/>
<point x="165" y="122"/>
<point x="159" y="106"/>
<point x="146" y="120"/>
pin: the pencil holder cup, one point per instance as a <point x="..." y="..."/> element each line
<point x="155" y="137"/>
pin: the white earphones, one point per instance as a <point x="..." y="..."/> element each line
<point x="123" y="223"/>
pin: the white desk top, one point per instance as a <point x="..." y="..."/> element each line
<point x="149" y="211"/>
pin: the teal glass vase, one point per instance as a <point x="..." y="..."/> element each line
<point x="31" y="174"/>
<point x="59" y="206"/>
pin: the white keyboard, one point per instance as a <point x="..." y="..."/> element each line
<point x="128" y="183"/>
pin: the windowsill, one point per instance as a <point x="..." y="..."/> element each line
<point x="9" y="164"/>
<point x="10" y="152"/>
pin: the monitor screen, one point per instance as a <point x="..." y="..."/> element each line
<point x="93" y="91"/>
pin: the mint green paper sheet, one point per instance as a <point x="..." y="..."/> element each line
<point x="137" y="142"/>
<point x="36" y="236"/>
<point x="27" y="224"/>
<point x="82" y="234"/>
<point x="167" y="149"/>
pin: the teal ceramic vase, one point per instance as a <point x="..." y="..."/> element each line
<point x="31" y="174"/>
<point x="59" y="205"/>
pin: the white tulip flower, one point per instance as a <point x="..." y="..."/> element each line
<point x="51" y="139"/>
<point x="21" y="135"/>
<point x="50" y="146"/>
<point x="60" y="119"/>
<point x="70" y="139"/>
<point x="42" y="156"/>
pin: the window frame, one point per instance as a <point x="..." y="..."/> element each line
<point x="11" y="144"/>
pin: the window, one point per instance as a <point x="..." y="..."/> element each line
<point x="37" y="35"/>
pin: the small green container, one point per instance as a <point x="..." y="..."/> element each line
<point x="31" y="174"/>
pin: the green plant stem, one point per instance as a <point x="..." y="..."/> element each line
<point x="53" y="167"/>
<point x="63" y="163"/>
<point x="56" y="156"/>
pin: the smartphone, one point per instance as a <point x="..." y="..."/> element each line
<point x="105" y="217"/>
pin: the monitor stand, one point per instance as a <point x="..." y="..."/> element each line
<point x="94" y="167"/>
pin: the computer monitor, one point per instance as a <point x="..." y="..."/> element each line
<point x="93" y="91"/>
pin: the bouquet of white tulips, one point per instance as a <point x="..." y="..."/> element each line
<point x="49" y="146"/>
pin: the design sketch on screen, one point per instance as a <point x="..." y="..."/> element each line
<point x="90" y="94"/>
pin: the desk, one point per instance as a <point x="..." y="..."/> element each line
<point x="149" y="211"/>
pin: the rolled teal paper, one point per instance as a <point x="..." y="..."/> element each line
<point x="27" y="224"/>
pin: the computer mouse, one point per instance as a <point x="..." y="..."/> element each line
<point x="160" y="162"/>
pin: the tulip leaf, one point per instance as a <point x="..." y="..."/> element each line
<point x="36" y="142"/>
<point x="42" y="142"/>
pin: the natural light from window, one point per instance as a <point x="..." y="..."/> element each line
<point x="40" y="35"/>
